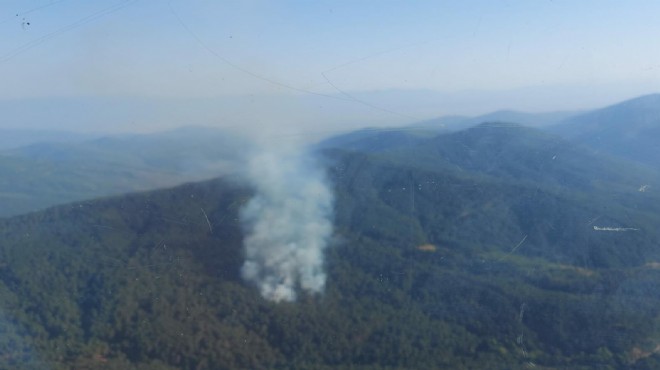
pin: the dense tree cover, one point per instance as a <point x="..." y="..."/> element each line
<point x="513" y="275"/>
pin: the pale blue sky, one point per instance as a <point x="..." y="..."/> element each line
<point x="571" y="54"/>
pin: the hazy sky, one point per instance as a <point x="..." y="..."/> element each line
<point x="471" y="56"/>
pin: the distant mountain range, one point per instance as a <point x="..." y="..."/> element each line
<point x="630" y="129"/>
<point x="15" y="138"/>
<point x="453" y="123"/>
<point x="44" y="168"/>
<point x="374" y="139"/>
<point x="500" y="246"/>
<point x="43" y="174"/>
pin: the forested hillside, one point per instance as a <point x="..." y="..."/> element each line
<point x="458" y="265"/>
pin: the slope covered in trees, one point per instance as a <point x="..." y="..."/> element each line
<point x="438" y="261"/>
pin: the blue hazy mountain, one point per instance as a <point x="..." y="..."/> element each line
<point x="15" y="138"/>
<point x="453" y="123"/>
<point x="43" y="174"/>
<point x="187" y="149"/>
<point x="375" y="138"/>
<point x="630" y="129"/>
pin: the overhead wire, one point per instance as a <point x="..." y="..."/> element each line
<point x="344" y="96"/>
<point x="80" y="22"/>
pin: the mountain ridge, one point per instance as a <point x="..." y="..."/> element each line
<point x="500" y="246"/>
<point x="429" y="267"/>
<point x="628" y="129"/>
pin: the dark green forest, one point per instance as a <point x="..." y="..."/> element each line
<point x="481" y="249"/>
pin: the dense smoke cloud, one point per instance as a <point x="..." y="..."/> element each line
<point x="287" y="225"/>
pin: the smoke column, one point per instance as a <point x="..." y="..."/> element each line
<point x="287" y="225"/>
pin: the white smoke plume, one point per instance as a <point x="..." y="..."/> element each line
<point x="287" y="225"/>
